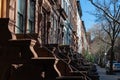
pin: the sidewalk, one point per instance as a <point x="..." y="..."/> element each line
<point x="103" y="76"/>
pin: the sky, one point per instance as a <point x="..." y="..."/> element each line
<point x="88" y="18"/>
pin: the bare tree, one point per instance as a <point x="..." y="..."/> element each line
<point x="97" y="31"/>
<point x="100" y="43"/>
<point x="108" y="13"/>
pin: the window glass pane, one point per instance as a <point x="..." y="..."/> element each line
<point x="21" y="6"/>
<point x="51" y="30"/>
<point x="43" y="27"/>
<point x="20" y="23"/>
<point x="31" y="16"/>
<point x="31" y="26"/>
<point x="21" y="16"/>
<point x="31" y="10"/>
<point x="55" y="30"/>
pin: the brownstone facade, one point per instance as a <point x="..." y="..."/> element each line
<point x="40" y="32"/>
<point x="42" y="20"/>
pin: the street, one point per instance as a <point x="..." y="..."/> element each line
<point x="103" y="76"/>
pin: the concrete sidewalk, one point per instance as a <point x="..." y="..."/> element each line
<point x="103" y="76"/>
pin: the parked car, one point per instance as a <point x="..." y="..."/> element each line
<point x="116" y="66"/>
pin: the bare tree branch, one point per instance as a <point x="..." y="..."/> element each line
<point x="106" y="30"/>
<point x="117" y="31"/>
<point x="109" y="15"/>
<point x="105" y="41"/>
<point x="118" y="12"/>
<point x="110" y="23"/>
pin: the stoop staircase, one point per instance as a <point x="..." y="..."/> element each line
<point x="23" y="59"/>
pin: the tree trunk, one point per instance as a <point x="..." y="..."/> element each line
<point x="111" y="57"/>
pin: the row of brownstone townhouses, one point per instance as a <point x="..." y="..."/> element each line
<point x="48" y="21"/>
<point x="36" y="33"/>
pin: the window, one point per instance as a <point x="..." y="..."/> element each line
<point x="31" y="16"/>
<point x="51" y="30"/>
<point x="56" y="30"/>
<point x="31" y="26"/>
<point x="21" y="16"/>
<point x="44" y="27"/>
<point x="20" y="23"/>
<point x="62" y="3"/>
